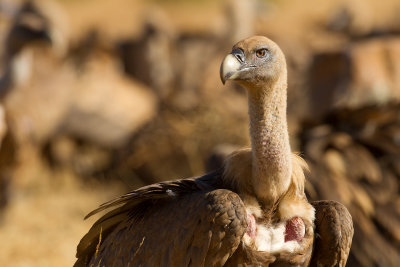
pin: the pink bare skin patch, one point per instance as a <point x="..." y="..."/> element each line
<point x="251" y="225"/>
<point x="295" y="229"/>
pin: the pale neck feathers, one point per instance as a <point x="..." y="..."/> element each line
<point x="238" y="169"/>
<point x="271" y="155"/>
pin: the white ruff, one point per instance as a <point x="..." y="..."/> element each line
<point x="270" y="238"/>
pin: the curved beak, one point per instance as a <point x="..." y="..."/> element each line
<point x="231" y="66"/>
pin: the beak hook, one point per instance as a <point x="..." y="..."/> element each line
<point x="231" y="65"/>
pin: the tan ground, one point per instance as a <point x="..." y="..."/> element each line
<point x="44" y="221"/>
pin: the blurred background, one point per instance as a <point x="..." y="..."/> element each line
<point x="100" y="97"/>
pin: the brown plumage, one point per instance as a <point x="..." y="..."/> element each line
<point x="252" y="211"/>
<point x="334" y="228"/>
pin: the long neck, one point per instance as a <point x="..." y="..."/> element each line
<point x="271" y="155"/>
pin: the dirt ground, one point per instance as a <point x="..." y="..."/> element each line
<point x="44" y="221"/>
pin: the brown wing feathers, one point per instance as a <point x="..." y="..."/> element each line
<point x="335" y="231"/>
<point x="145" y="203"/>
<point x="201" y="229"/>
<point x="162" y="190"/>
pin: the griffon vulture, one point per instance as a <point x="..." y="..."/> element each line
<point x="251" y="212"/>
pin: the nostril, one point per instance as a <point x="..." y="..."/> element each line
<point x="239" y="55"/>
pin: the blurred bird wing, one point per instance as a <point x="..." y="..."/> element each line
<point x="334" y="233"/>
<point x="187" y="222"/>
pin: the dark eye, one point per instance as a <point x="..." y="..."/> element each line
<point x="261" y="52"/>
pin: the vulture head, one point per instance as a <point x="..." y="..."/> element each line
<point x="254" y="62"/>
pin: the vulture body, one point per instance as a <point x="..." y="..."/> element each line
<point x="251" y="212"/>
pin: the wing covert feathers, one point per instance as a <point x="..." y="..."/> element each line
<point x="334" y="233"/>
<point x="162" y="190"/>
<point x="191" y="225"/>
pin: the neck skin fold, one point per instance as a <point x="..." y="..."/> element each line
<point x="271" y="154"/>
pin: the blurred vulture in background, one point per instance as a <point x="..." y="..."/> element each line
<point x="41" y="73"/>
<point x="28" y="29"/>
<point x="252" y="211"/>
<point x="354" y="157"/>
<point x="150" y="57"/>
<point x="351" y="141"/>
<point x="33" y="24"/>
